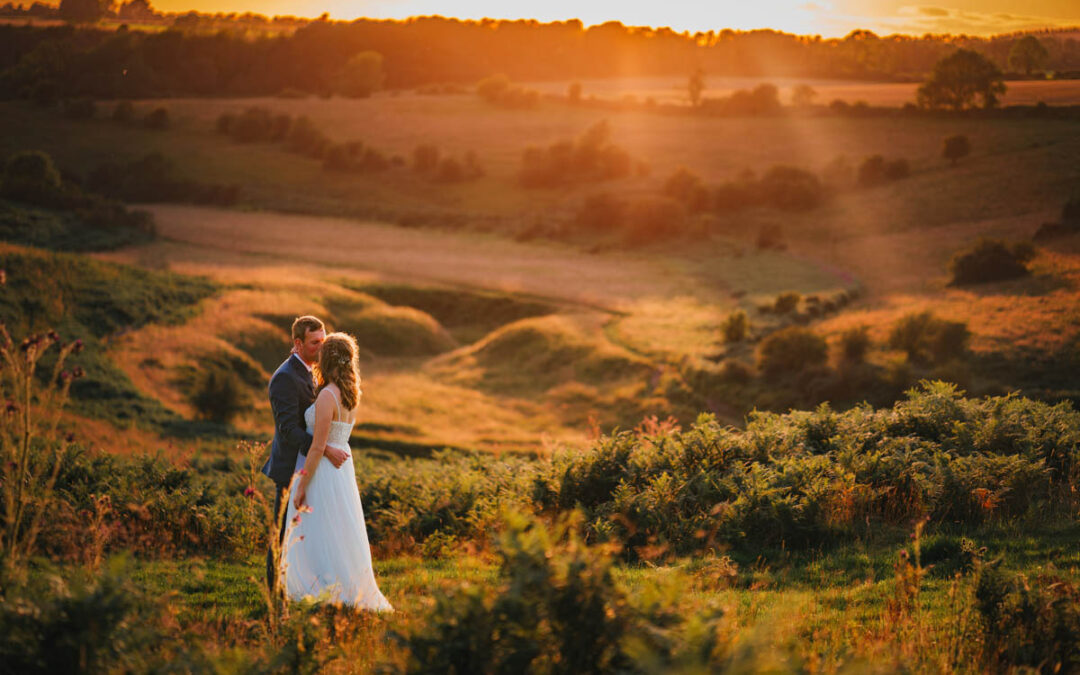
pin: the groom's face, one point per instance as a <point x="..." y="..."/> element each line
<point x="308" y="349"/>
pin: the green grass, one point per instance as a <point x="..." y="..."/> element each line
<point x="95" y="301"/>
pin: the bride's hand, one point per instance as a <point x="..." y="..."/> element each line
<point x="298" y="499"/>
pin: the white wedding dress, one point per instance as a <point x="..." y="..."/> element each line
<point x="327" y="550"/>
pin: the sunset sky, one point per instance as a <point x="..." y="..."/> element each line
<point x="829" y="18"/>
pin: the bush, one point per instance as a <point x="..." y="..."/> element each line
<point x="650" y="219"/>
<point x="854" y="344"/>
<point x="991" y="260"/>
<point x="790" y="351"/>
<point x="786" y="302"/>
<point x="45" y="93"/>
<point x="1024" y="624"/>
<point x="872" y="171"/>
<point x="157" y="119"/>
<point x="736" y="326"/>
<point x="254" y="125"/>
<point x="1070" y="213"/>
<point x="218" y="395"/>
<point x="556" y="608"/>
<point x="770" y="236"/>
<point x="790" y="189"/>
<point x="305" y="138"/>
<point x="687" y="188"/>
<point x="956" y="148"/>
<point x="928" y="339"/>
<point x="591" y="158"/>
<point x="32" y="178"/>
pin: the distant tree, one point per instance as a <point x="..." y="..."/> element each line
<point x="802" y="96"/>
<point x="136" y="10"/>
<point x="854" y="344"/>
<point x="573" y="92"/>
<point x="958" y="79"/>
<point x="492" y="88"/>
<point x="872" y="171"/>
<point x="1028" y="54"/>
<point x="124" y="112"/>
<point x="695" y="86"/>
<point x="956" y="148"/>
<point x="362" y="75"/>
<point x="82" y="11"/>
<point x="218" y="395"/>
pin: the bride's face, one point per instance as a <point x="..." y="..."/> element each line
<point x="309" y="348"/>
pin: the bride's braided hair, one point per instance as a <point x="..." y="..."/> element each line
<point x="339" y="363"/>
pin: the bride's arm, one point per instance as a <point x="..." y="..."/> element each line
<point x="324" y="413"/>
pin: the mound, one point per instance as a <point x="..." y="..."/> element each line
<point x="396" y="331"/>
<point x="469" y="315"/>
<point x="539" y="353"/>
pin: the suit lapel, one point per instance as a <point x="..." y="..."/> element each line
<point x="303" y="374"/>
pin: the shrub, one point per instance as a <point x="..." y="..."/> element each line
<point x="790" y="189"/>
<point x="1024" y="624"/>
<point x="838" y="173"/>
<point x="450" y="171"/>
<point x="854" y="344"/>
<point x="928" y="339"/>
<point x="31" y="177"/>
<point x="872" y="171"/>
<point x="362" y="75"/>
<point x="305" y="138"/>
<point x="650" y="219"/>
<point x="601" y="212"/>
<point x="254" y="125"/>
<point x="956" y="148"/>
<point x="790" y="351"/>
<point x="786" y="302"/>
<point x="157" y="119"/>
<point x="79" y="109"/>
<point x="218" y="395"/>
<point x="124" y="112"/>
<point x="592" y="157"/>
<point x="687" y="188"/>
<point x="991" y="260"/>
<point x="45" y="93"/>
<point x="736" y="326"/>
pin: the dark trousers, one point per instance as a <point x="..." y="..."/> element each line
<point x="272" y="565"/>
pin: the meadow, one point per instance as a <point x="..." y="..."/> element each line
<point x="570" y="460"/>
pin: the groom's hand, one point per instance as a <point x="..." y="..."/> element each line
<point x="337" y="456"/>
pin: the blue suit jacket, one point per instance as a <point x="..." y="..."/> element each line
<point x="291" y="392"/>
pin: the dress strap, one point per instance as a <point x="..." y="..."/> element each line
<point x="340" y="415"/>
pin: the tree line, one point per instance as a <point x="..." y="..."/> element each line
<point x="197" y="57"/>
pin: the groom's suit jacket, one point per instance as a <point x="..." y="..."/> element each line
<point x="291" y="392"/>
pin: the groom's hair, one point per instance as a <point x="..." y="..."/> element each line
<point x="304" y="325"/>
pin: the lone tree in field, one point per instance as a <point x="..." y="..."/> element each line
<point x="958" y="79"/>
<point x="695" y="85"/>
<point x="1028" y="54"/>
<point x="362" y="75"/>
<point x="956" y="148"/>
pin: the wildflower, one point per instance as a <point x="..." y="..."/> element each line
<point x="305" y="509"/>
<point x="303" y="472"/>
<point x="296" y="519"/>
<point x="78" y="372"/>
<point x="78" y="346"/>
<point x="69" y="437"/>
<point x="11" y="408"/>
<point x="249" y="491"/>
<point x="301" y="537"/>
<point x="65" y="376"/>
<point x="54" y="336"/>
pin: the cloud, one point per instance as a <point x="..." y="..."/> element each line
<point x="933" y="11"/>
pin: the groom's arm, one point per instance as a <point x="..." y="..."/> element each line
<point x="287" y="413"/>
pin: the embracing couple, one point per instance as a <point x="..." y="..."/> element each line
<point x="314" y="396"/>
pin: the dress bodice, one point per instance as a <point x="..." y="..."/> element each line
<point x="339" y="431"/>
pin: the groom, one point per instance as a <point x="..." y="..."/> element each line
<point x="292" y="390"/>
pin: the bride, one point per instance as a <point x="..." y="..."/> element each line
<point x="326" y="548"/>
